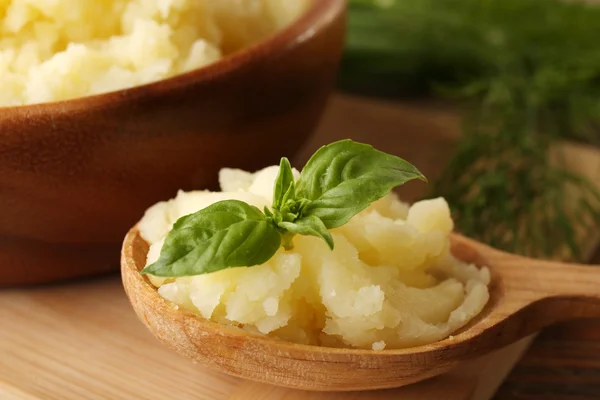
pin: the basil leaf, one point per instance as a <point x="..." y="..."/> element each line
<point x="311" y="226"/>
<point x="284" y="185"/>
<point x="339" y="181"/>
<point x="345" y="177"/>
<point x="223" y="235"/>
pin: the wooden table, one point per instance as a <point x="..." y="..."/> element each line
<point x="562" y="364"/>
<point x="82" y="340"/>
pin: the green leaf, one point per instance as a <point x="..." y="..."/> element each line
<point x="345" y="177"/>
<point x="310" y="226"/>
<point x="223" y="235"/>
<point x="340" y="180"/>
<point x="268" y="212"/>
<point x="284" y="185"/>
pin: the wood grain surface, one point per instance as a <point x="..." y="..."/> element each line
<point x="562" y="364"/>
<point x="83" y="341"/>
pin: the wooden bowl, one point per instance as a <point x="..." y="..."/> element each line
<point x="76" y="174"/>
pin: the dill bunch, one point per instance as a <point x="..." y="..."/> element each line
<point x="527" y="73"/>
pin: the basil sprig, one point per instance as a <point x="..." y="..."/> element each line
<point x="340" y="180"/>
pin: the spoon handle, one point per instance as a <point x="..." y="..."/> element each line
<point x="566" y="280"/>
<point x="559" y="291"/>
<point x="569" y="291"/>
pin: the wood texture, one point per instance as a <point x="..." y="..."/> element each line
<point x="75" y="175"/>
<point x="83" y="341"/>
<point x="563" y="364"/>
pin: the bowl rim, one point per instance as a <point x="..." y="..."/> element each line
<point x="319" y="15"/>
<point x="128" y="263"/>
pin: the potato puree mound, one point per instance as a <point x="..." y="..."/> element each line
<point x="390" y="282"/>
<point x="60" y="49"/>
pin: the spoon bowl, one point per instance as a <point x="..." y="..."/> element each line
<point x="526" y="296"/>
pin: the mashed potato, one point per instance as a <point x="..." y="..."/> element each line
<point x="60" y="49"/>
<point x="390" y="282"/>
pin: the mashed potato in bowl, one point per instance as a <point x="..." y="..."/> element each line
<point x="60" y="49"/>
<point x="390" y="282"/>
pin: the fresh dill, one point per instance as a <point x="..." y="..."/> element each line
<point x="527" y="74"/>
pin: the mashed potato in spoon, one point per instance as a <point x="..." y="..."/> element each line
<point x="390" y="282"/>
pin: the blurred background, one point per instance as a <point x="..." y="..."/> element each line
<point x="497" y="102"/>
<point x="491" y="99"/>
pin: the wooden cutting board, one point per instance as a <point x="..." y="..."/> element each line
<point x="83" y="341"/>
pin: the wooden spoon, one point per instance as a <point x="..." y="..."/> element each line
<point x="526" y="296"/>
